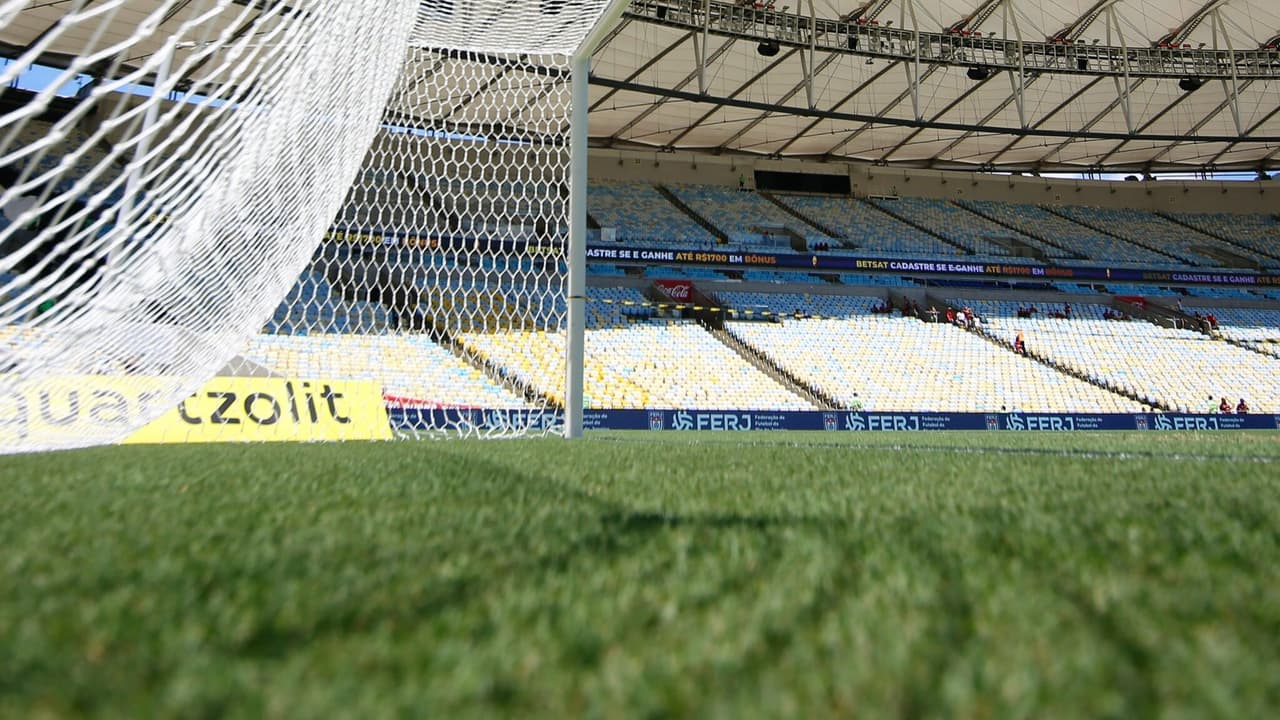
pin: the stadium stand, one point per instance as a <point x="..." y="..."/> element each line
<point x="821" y="306"/>
<point x="961" y="227"/>
<point x="1253" y="232"/>
<point x="643" y="216"/>
<point x="1140" y="290"/>
<point x="411" y="367"/>
<point x="314" y="303"/>
<point x="842" y="353"/>
<point x="881" y="280"/>
<point x="1253" y="327"/>
<point x="1179" y="368"/>
<point x="651" y="364"/>
<point x="1074" y="237"/>
<point x="866" y="228"/>
<point x="1146" y="228"/>
<point x="745" y="216"/>
<point x="886" y="363"/>
<point x="613" y="307"/>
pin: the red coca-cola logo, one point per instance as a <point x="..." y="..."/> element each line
<point x="675" y="289"/>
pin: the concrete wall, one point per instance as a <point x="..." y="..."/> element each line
<point x="865" y="179"/>
<point x="1172" y="195"/>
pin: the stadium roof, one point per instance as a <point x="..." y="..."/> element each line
<point x="985" y="84"/>
<point x="1051" y="85"/>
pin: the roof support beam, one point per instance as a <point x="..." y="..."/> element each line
<point x="972" y="20"/>
<point x="914" y="78"/>
<point x="1044" y="119"/>
<point x="870" y="39"/>
<point x="1072" y="32"/>
<point x="834" y="108"/>
<point x="471" y="97"/>
<point x="937" y="116"/>
<point x="868" y="11"/>
<point x="813" y="49"/>
<point x="785" y="97"/>
<point x="1248" y="131"/>
<point x="1232" y="86"/>
<point x="977" y="17"/>
<point x="913" y="67"/>
<point x="1156" y="118"/>
<point x="640" y="117"/>
<point x="643" y="67"/>
<point x="881" y="116"/>
<point x="1019" y="82"/>
<point x="702" y="45"/>
<point x="1089" y="126"/>
<point x="1179" y="34"/>
<point x="986" y="119"/>
<point x="1122" y="91"/>
<point x="40" y="36"/>
<point x="623" y="23"/>
<point x="772" y="107"/>
<point x="737" y="91"/>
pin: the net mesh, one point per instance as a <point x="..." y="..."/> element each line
<point x="323" y="191"/>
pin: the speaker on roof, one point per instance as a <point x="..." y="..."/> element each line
<point x="1190" y="84"/>
<point x="768" y="48"/>
<point x="979" y="73"/>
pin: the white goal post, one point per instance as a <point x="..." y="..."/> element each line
<point x="300" y="201"/>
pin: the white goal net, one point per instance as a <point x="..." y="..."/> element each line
<point x="234" y="219"/>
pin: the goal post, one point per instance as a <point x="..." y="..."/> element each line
<point x="292" y="199"/>
<point x="575" y="347"/>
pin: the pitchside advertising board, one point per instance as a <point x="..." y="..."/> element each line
<point x="280" y="409"/>
<point x="403" y="418"/>
<point x="224" y="410"/>
<point x="841" y="262"/>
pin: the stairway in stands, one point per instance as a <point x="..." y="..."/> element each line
<point x="774" y="371"/>
<point x="982" y="332"/>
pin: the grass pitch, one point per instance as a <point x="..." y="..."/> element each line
<point x="926" y="575"/>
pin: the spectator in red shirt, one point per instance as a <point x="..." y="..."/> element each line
<point x="1242" y="408"/>
<point x="1224" y="407"/>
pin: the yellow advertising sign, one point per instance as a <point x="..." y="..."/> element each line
<point x="226" y="409"/>
<point x="273" y="409"/>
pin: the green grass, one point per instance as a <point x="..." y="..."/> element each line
<point x="929" y="575"/>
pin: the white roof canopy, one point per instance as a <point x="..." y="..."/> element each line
<point x="1000" y="84"/>
<point x="1143" y="85"/>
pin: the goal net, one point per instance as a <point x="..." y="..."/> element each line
<point x="242" y="217"/>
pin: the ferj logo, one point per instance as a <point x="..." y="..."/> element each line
<point x="681" y="420"/>
<point x="1057" y="423"/>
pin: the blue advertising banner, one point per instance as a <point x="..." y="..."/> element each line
<point x="960" y="268"/>
<point x="841" y="421"/>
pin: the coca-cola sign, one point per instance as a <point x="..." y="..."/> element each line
<point x="678" y="290"/>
